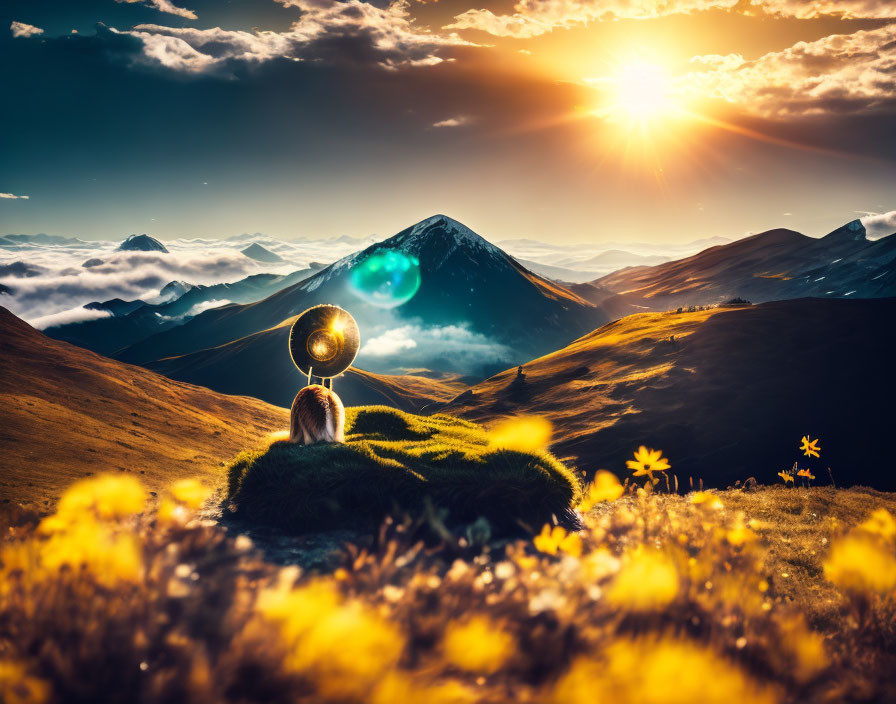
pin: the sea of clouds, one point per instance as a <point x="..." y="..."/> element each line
<point x="48" y="284"/>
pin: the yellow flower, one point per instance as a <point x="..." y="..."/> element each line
<point x="739" y="533"/>
<point x="860" y="565"/>
<point x="805" y="473"/>
<point x="605" y="487"/>
<point x="809" y="447"/>
<point x="881" y="523"/>
<point x="648" y="461"/>
<point x="18" y="687"/>
<point x="107" y="496"/>
<point x="190" y="492"/>
<point x="522" y="433"/>
<point x="551" y="540"/>
<point x="658" y="670"/>
<point x="707" y="498"/>
<point x="477" y="645"/>
<point x="647" y="580"/>
<point x="345" y="647"/>
<point x="786" y="476"/>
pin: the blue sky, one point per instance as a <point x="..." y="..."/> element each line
<point x="321" y="118"/>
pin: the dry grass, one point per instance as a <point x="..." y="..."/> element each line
<point x="660" y="599"/>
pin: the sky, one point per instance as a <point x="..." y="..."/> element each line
<point x="566" y="121"/>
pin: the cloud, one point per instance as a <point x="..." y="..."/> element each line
<point x="389" y="343"/>
<point x="413" y="345"/>
<point x="458" y="121"/>
<point x="74" y="315"/>
<point x="841" y="73"/>
<point x="20" y="29"/>
<point x="535" y="17"/>
<point x="14" y="197"/>
<point x="880" y="224"/>
<point x="327" y="30"/>
<point x="164" y="6"/>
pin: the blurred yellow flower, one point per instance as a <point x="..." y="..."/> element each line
<point x="707" y="498"/>
<point x="805" y="473"/>
<point x="107" y="496"/>
<point x="647" y="580"/>
<point x="859" y="564"/>
<point x="344" y="646"/>
<point x="478" y="645"/>
<point x="658" y="670"/>
<point x="881" y="523"/>
<point x="522" y="433"/>
<point x="18" y="687"/>
<point x="739" y="534"/>
<point x="190" y="492"/>
<point x="554" y="539"/>
<point x="786" y="476"/>
<point x="648" y="461"/>
<point x="605" y="487"/>
<point x="809" y="447"/>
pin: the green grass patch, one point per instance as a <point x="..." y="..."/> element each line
<point x="394" y="463"/>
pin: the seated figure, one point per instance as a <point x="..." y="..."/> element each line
<point x="317" y="415"/>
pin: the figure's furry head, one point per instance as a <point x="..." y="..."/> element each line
<point x="317" y="415"/>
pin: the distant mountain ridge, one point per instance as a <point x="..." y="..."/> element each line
<point x="774" y="265"/>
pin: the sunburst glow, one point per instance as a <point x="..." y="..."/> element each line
<point x="638" y="93"/>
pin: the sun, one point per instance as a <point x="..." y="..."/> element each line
<point x="637" y="93"/>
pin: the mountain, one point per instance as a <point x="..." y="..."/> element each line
<point x="21" y="270"/>
<point x="68" y="413"/>
<point x="92" y="262"/>
<point x="774" y="265"/>
<point x="174" y="290"/>
<point x="133" y="321"/>
<point x="464" y="282"/>
<point x="730" y="398"/>
<point x="614" y="259"/>
<point x="260" y="254"/>
<point x="142" y="243"/>
<point x="558" y="273"/>
<point x="44" y="240"/>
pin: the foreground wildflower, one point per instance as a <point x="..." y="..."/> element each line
<point x="344" y="647"/>
<point x="809" y="447"/>
<point x="706" y="498"/>
<point x="605" y="487"/>
<point x="554" y="539"/>
<point x="881" y="523"/>
<point x="477" y="645"/>
<point x="185" y="497"/>
<point x="106" y="497"/>
<point x="647" y="580"/>
<point x="648" y="461"/>
<point x="17" y="687"/>
<point x="861" y="566"/>
<point x="523" y="433"/>
<point x="786" y="476"/>
<point x="658" y="670"/>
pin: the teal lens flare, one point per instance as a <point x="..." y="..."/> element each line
<point x="387" y="278"/>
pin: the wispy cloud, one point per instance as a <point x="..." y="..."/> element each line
<point x="12" y="196"/>
<point x="531" y="18"/>
<point x="458" y="121"/>
<point x="20" y="29"/>
<point x="164" y="6"/>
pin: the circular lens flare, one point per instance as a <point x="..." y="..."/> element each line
<point x="322" y="345"/>
<point x="386" y="278"/>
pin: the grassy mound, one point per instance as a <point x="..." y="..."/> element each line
<point x="394" y="462"/>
